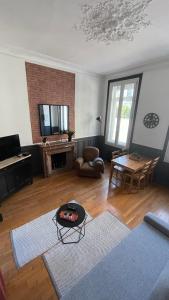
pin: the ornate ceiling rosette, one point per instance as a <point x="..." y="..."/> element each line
<point x="113" y="20"/>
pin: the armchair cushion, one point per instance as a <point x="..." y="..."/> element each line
<point x="86" y="167"/>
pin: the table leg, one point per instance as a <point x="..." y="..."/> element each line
<point x="131" y="182"/>
<point x="111" y="171"/>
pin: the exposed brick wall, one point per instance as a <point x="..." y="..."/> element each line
<point x="49" y="86"/>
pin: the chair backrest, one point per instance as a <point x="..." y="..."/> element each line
<point x="116" y="154"/>
<point x="154" y="163"/>
<point x="146" y="167"/>
<point x="90" y="153"/>
<point x="123" y="152"/>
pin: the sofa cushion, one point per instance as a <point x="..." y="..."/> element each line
<point x="129" y="272"/>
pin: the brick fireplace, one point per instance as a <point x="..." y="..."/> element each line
<point x="49" y="86"/>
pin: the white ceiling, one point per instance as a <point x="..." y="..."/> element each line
<point x="46" y="27"/>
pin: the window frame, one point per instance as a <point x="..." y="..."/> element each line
<point x="139" y="76"/>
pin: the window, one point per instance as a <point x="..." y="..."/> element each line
<point x="166" y="148"/>
<point x="121" y="106"/>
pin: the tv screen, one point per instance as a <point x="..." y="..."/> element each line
<point x="9" y="146"/>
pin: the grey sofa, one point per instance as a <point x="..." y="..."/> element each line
<point x="137" y="269"/>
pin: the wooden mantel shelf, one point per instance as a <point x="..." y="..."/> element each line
<point x="51" y="148"/>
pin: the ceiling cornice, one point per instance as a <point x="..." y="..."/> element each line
<point x="45" y="60"/>
<point x="162" y="62"/>
<point x="49" y="61"/>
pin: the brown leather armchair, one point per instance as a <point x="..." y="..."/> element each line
<point x="90" y="164"/>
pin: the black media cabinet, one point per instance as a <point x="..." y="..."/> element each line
<point x="15" y="172"/>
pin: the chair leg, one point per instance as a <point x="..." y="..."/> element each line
<point x="111" y="172"/>
<point x="151" y="178"/>
<point x="139" y="184"/>
<point x="131" y="183"/>
<point x="124" y="181"/>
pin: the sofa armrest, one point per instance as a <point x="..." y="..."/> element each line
<point x="157" y="223"/>
<point x="79" y="162"/>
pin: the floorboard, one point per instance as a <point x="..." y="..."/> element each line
<point x="32" y="281"/>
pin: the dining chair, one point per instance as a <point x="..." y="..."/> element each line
<point x="124" y="152"/>
<point x="116" y="153"/>
<point x="139" y="178"/>
<point x="117" y="173"/>
<point x="150" y="174"/>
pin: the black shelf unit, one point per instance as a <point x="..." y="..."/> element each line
<point x="15" y="176"/>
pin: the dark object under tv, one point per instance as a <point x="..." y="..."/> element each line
<point x="9" y="146"/>
<point x="15" y="176"/>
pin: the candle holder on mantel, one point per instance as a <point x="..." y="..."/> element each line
<point x="44" y="140"/>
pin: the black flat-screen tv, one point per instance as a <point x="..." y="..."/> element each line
<point x="9" y="146"/>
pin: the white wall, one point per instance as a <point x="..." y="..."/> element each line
<point x="153" y="98"/>
<point x="14" y="106"/>
<point x="88" y="97"/>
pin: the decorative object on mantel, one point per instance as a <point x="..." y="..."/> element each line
<point x="151" y="120"/>
<point x="113" y="20"/>
<point x="44" y="140"/>
<point x="70" y="134"/>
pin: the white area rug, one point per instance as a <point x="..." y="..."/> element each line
<point x="67" y="264"/>
<point x="35" y="238"/>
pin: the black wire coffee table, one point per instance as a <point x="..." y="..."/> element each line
<point x="65" y="226"/>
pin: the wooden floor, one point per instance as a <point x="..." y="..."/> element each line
<point x="32" y="281"/>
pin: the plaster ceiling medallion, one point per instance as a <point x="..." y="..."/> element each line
<point x="113" y="20"/>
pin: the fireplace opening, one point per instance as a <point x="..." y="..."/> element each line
<point x="58" y="161"/>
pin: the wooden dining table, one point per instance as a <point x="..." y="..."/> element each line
<point x="128" y="164"/>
